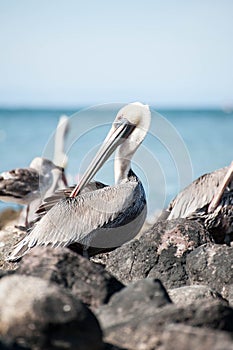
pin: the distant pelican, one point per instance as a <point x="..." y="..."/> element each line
<point x="25" y="185"/>
<point x="60" y="157"/>
<point x="209" y="199"/>
<point x="103" y="219"/>
<point x="29" y="186"/>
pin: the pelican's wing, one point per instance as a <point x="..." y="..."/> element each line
<point x="197" y="195"/>
<point x="73" y="220"/>
<point x="50" y="201"/>
<point x="18" y="183"/>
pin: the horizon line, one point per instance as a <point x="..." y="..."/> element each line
<point x="53" y="107"/>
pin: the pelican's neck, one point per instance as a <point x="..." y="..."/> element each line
<point x="60" y="158"/>
<point x="121" y="168"/>
<point x="122" y="162"/>
<point x="125" y="152"/>
<point x="56" y="174"/>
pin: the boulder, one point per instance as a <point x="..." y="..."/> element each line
<point x="86" y="280"/>
<point x="212" y="264"/>
<point x="159" y="253"/>
<point x="179" y="336"/>
<point x="133" y="302"/>
<point x="137" y="317"/>
<point x="188" y="294"/>
<point x="39" y="315"/>
<point x="149" y="330"/>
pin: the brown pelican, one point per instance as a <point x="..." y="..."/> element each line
<point x="209" y="199"/>
<point x="103" y="219"/>
<point x="25" y="185"/>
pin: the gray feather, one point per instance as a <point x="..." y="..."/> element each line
<point x="90" y="217"/>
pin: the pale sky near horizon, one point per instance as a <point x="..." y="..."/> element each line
<point x="67" y="53"/>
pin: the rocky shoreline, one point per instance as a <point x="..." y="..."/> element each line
<point x="170" y="288"/>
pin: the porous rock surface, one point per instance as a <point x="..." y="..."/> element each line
<point x="86" y="280"/>
<point x="169" y="289"/>
<point x="37" y="314"/>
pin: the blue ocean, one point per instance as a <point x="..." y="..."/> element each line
<point x="180" y="146"/>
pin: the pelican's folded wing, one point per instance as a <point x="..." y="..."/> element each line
<point x="77" y="220"/>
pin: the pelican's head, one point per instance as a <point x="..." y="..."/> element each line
<point x="135" y="113"/>
<point x="128" y="131"/>
<point x="38" y="163"/>
<point x="44" y="165"/>
<point x="136" y="117"/>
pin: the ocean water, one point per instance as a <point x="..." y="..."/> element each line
<point x="180" y="146"/>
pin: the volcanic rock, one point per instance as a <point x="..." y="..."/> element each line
<point x="39" y="315"/>
<point x="159" y="253"/>
<point x="86" y="280"/>
<point x="188" y="294"/>
<point x="212" y="264"/>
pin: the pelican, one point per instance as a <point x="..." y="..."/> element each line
<point x="107" y="217"/>
<point x="25" y="185"/>
<point x="209" y="199"/>
<point x="60" y="158"/>
<point x="28" y="186"/>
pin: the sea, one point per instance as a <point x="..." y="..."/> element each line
<point x="180" y="146"/>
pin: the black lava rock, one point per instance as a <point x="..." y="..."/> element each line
<point x="39" y="315"/>
<point x="179" y="336"/>
<point x="212" y="264"/>
<point x="188" y="294"/>
<point x="159" y="253"/>
<point x="133" y="301"/>
<point x="147" y="330"/>
<point x="85" y="279"/>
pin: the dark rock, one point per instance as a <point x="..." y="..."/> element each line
<point x="188" y="294"/>
<point x="182" y="234"/>
<point x="4" y="273"/>
<point x="212" y="264"/>
<point x="170" y="269"/>
<point x="132" y="261"/>
<point x="136" y="316"/>
<point x="9" y="345"/>
<point x="185" y="337"/>
<point x="39" y="315"/>
<point x="85" y="279"/>
<point x="230" y="294"/>
<point x="112" y="347"/>
<point x="133" y="301"/>
<point x="159" y="253"/>
<point x="145" y="331"/>
<point x="9" y="235"/>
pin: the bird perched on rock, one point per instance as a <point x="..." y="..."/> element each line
<point x="29" y="186"/>
<point x="107" y="217"/>
<point x="25" y="185"/>
<point x="210" y="200"/>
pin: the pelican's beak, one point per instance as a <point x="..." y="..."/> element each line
<point x="118" y="133"/>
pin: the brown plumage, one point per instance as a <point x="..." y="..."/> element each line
<point x="25" y="185"/>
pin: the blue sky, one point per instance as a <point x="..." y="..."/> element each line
<point x="68" y="52"/>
